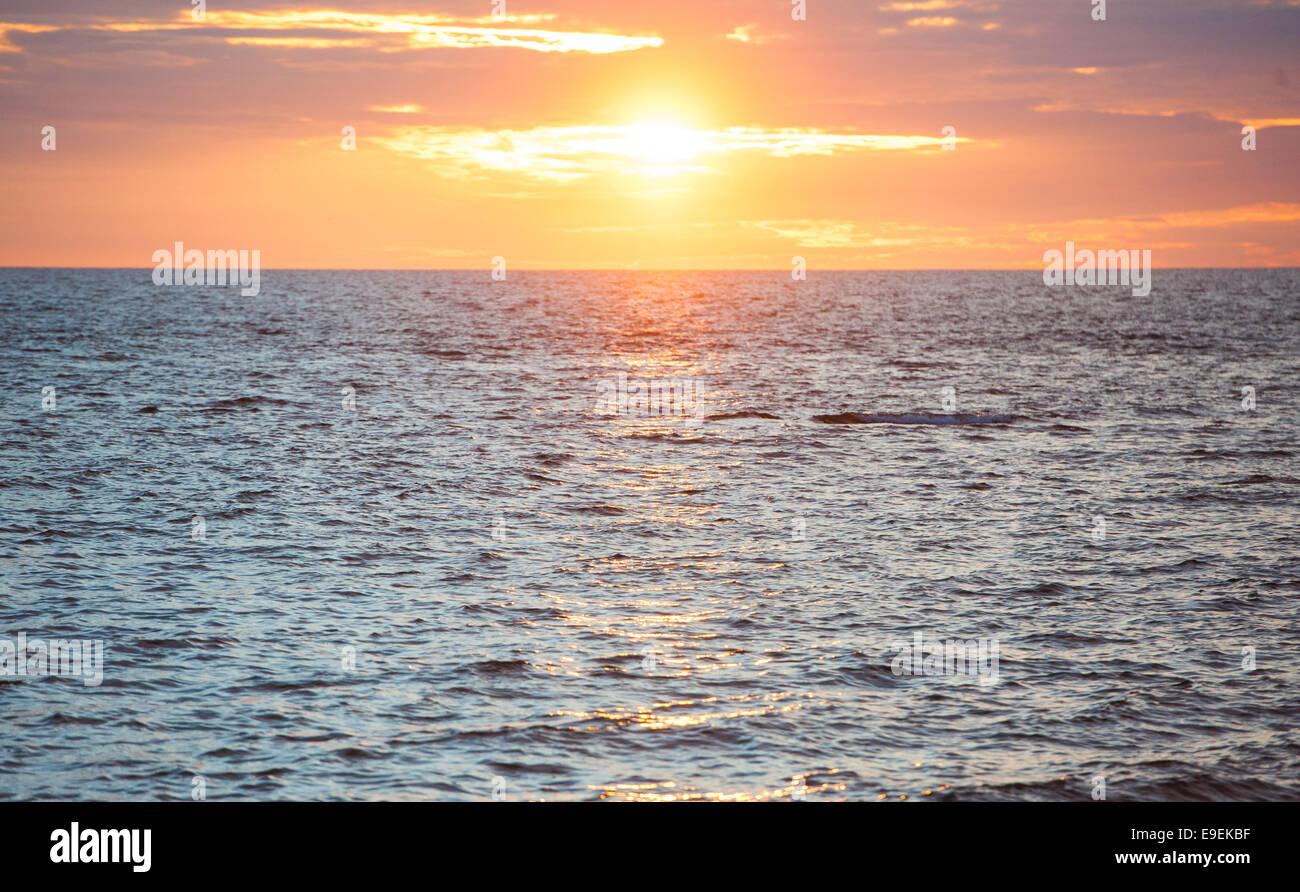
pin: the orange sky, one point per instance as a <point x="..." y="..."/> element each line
<point x="706" y="135"/>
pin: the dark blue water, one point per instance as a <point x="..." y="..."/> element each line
<point x="427" y="566"/>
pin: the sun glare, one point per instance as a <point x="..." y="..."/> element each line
<point x="664" y="143"/>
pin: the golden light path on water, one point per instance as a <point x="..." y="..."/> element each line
<point x="652" y="627"/>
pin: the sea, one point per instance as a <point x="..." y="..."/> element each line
<point x="635" y="535"/>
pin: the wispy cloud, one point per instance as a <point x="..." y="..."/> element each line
<point x="568" y="153"/>
<point x="921" y="6"/>
<point x="837" y="233"/>
<point x="748" y="34"/>
<point x="7" y="28"/>
<point x="386" y="32"/>
<point x="1017" y="240"/>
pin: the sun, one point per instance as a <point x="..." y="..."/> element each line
<point x="664" y="142"/>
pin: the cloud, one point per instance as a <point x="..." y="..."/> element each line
<point x="1262" y="212"/>
<point x="21" y="28"/>
<point x="561" y="154"/>
<point x="745" y="34"/>
<point x="828" y="233"/>
<point x="1020" y="239"/>
<point x="386" y="32"/>
<point x="887" y="238"/>
<point x="922" y="6"/>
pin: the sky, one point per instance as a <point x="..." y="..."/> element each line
<point x="668" y="134"/>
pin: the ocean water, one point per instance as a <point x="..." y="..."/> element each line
<point x="376" y="535"/>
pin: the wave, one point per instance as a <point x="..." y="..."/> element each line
<point x="1186" y="783"/>
<point x="246" y="402"/>
<point x="595" y="509"/>
<point x="251" y="403"/>
<point x="748" y="413"/>
<point x="911" y="418"/>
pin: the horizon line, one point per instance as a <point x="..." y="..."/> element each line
<point x="615" y="269"/>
